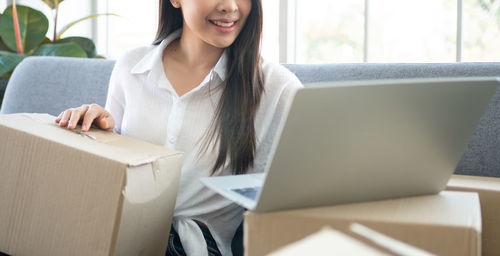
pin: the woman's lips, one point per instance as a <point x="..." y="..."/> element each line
<point x="224" y="25"/>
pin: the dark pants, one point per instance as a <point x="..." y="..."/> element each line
<point x="175" y="248"/>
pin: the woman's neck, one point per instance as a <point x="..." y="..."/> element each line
<point x="187" y="61"/>
<point x="194" y="52"/>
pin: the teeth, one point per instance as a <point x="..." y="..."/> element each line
<point x="223" y="24"/>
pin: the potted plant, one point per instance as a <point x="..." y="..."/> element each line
<point x="23" y="33"/>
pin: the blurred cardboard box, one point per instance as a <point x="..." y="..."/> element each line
<point x="448" y="223"/>
<point x="333" y="242"/>
<point x="328" y="242"/>
<point x="488" y="189"/>
<point x="70" y="193"/>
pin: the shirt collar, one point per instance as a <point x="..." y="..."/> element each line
<point x="153" y="58"/>
<point x="220" y="67"/>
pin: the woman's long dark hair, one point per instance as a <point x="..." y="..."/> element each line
<point x="233" y="126"/>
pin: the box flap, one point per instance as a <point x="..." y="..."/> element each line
<point x="448" y="223"/>
<point x="488" y="189"/>
<point x="148" y="206"/>
<point x="328" y="240"/>
<point x="446" y="208"/>
<point x="123" y="149"/>
<point x="475" y="182"/>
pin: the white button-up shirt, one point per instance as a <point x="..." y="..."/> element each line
<point x="145" y="105"/>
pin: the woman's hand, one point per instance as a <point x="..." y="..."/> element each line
<point x="87" y="114"/>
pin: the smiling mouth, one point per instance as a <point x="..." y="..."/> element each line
<point x="222" y="23"/>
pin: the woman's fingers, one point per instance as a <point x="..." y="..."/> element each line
<point x="76" y="114"/>
<point x="106" y="122"/>
<point x="99" y="116"/>
<point x="65" y="117"/>
<point x="94" y="111"/>
<point x="58" y="119"/>
<point x="87" y="114"/>
<point x="71" y="117"/>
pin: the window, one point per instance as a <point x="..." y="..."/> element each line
<point x="328" y="31"/>
<point x="270" y="37"/>
<point x="412" y="31"/>
<point x="135" y="27"/>
<point x="481" y="30"/>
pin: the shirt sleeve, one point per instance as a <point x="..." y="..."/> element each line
<point x="115" y="101"/>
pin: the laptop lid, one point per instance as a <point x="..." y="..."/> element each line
<point x="363" y="141"/>
<point x="352" y="142"/>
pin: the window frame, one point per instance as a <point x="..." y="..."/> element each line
<point x="287" y="31"/>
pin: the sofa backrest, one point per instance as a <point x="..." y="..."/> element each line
<point x="52" y="84"/>
<point x="310" y="73"/>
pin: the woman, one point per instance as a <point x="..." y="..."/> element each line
<point x="201" y="88"/>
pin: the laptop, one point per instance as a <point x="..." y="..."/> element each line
<point x="363" y="141"/>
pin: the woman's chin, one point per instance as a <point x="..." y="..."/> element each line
<point x="222" y="43"/>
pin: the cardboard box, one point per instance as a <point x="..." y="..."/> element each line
<point x="488" y="189"/>
<point x="71" y="193"/>
<point x="448" y="223"/>
<point x="328" y="242"/>
<point x="333" y="242"/>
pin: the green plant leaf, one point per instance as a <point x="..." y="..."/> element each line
<point x="3" y="47"/>
<point x="32" y="23"/>
<point x="65" y="28"/>
<point x="9" y="61"/>
<point x="87" y="45"/>
<point x="62" y="49"/>
<point x="52" y="3"/>
<point x="46" y="40"/>
<point x="484" y="5"/>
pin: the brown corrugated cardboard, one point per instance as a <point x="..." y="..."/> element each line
<point x="328" y="242"/>
<point x="333" y="242"/>
<point x="445" y="224"/>
<point x="70" y="193"/>
<point x="488" y="189"/>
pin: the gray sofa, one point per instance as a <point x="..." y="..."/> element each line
<point x="50" y="85"/>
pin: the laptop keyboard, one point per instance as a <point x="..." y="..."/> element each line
<point x="250" y="193"/>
